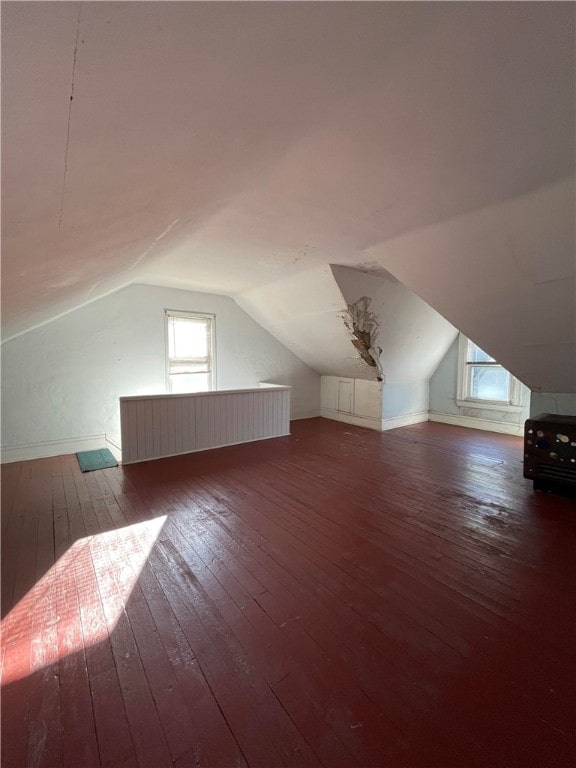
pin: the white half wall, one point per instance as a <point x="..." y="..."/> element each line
<point x="63" y="380"/>
<point x="157" y="426"/>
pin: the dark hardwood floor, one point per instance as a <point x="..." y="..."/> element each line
<point x="339" y="597"/>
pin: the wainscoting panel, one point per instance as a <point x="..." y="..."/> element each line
<point x="166" y="425"/>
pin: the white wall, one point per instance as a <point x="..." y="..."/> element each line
<point x="553" y="402"/>
<point x="404" y="398"/>
<point x="443" y="407"/>
<point x="63" y="380"/>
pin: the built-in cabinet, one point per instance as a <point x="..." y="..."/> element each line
<point x="345" y="395"/>
<point x="354" y="401"/>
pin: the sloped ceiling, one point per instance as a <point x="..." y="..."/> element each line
<point x="514" y="293"/>
<point x="222" y="147"/>
<point x="307" y="312"/>
<point x="412" y="336"/>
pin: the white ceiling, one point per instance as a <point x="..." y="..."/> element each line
<point x="221" y="147"/>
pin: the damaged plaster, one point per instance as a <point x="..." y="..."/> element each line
<point x="364" y="326"/>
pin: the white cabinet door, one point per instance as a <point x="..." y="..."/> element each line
<point x="345" y="395"/>
<point x="368" y="398"/>
<point x="329" y="393"/>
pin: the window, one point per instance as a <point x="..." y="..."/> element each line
<point x="484" y="383"/>
<point x="190" y="348"/>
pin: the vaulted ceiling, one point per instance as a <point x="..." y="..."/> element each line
<point x="225" y="146"/>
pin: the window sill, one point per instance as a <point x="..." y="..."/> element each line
<point x="489" y="405"/>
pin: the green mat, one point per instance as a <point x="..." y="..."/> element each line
<point x="100" y="459"/>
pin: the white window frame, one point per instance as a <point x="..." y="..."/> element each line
<point x="168" y="313"/>
<point x="512" y="404"/>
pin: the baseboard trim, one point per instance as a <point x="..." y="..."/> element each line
<point x="43" y="450"/>
<point x="394" y="422"/>
<point x="471" y="423"/>
<point x="370" y="422"/>
<point x="12" y="453"/>
<point x="311" y="415"/>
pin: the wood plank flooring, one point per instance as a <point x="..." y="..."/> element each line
<point x="339" y="597"/>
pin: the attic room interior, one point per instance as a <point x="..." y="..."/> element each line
<point x="286" y="287"/>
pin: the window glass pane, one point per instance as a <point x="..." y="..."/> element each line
<point x="477" y="355"/>
<point x="188" y="337"/>
<point x="189" y="363"/>
<point x="489" y="383"/>
<point x="190" y="382"/>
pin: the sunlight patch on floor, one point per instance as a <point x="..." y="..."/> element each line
<point x="78" y="602"/>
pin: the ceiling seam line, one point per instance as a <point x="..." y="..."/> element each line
<point x="69" y="117"/>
